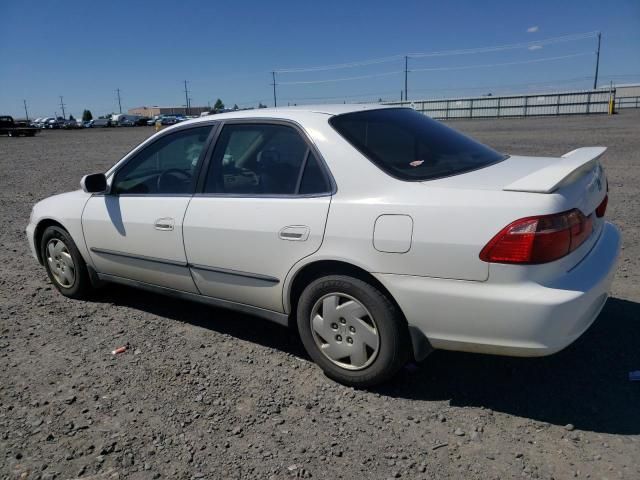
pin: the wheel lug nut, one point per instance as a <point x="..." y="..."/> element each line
<point x="338" y="338"/>
<point x="349" y="340"/>
<point x="352" y="329"/>
<point x="334" y="326"/>
<point x="343" y="321"/>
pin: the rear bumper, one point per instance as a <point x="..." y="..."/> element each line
<point x="523" y="318"/>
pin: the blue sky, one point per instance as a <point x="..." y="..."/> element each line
<point x="84" y="50"/>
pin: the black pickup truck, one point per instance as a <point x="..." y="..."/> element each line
<point x="14" y="129"/>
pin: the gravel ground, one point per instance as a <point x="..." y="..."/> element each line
<point x="206" y="393"/>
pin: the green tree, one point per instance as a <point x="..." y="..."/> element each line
<point x="86" y="116"/>
<point x="235" y="106"/>
<point x="218" y="105"/>
<point x="260" y="105"/>
<point x="71" y="119"/>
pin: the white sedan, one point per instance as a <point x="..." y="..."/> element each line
<point x="378" y="233"/>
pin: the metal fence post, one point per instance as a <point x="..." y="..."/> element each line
<point x="447" y="109"/>
<point x="526" y="104"/>
<point x="471" y="109"/>
<point x="499" y="101"/>
<point x="558" y="105"/>
<point x="589" y="102"/>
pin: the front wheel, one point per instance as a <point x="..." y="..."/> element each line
<point x="65" y="266"/>
<point x="352" y="330"/>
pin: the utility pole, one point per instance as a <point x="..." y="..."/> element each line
<point x="25" y="109"/>
<point x="406" y="71"/>
<point x="275" y="100"/>
<point x="186" y="97"/>
<point x="62" y="107"/>
<point x="119" y="104"/>
<point x="595" y="80"/>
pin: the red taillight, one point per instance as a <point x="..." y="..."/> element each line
<point x="602" y="207"/>
<point x="538" y="239"/>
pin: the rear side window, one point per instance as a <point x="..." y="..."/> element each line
<point x="313" y="178"/>
<point x="411" y="146"/>
<point x="263" y="159"/>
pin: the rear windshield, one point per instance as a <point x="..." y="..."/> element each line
<point x="411" y="146"/>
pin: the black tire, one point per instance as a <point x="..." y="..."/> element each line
<point x="394" y="344"/>
<point x="80" y="287"/>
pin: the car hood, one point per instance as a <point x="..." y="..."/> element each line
<point x="69" y="201"/>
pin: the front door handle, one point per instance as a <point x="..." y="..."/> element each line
<point x="164" y="224"/>
<point x="298" y="233"/>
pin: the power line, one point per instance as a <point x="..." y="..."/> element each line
<point x="331" y="80"/>
<point x="337" y="66"/>
<point x="26" y="113"/>
<point x="522" y="62"/>
<point x="433" y="69"/>
<point x="512" y="46"/>
<point x="360" y="95"/>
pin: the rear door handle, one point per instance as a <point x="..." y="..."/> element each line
<point x="297" y="233"/>
<point x="164" y="224"/>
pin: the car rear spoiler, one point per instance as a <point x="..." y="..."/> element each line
<point x="548" y="179"/>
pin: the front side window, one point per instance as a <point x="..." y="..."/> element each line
<point x="167" y="166"/>
<point x="261" y="159"/>
<point x="411" y="146"/>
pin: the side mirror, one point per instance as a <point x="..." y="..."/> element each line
<point x="94" y="183"/>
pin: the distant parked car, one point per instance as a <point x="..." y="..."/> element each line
<point x="15" y="129"/>
<point x="44" y="121"/>
<point x="102" y="122"/>
<point x="41" y="122"/>
<point x="87" y="124"/>
<point x="142" y="121"/>
<point x="153" y="121"/>
<point x="54" y="123"/>
<point x="169" y="121"/>
<point x="71" y="124"/>
<point x="124" y="120"/>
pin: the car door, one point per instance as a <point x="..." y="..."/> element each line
<point x="135" y="231"/>
<point x="261" y="206"/>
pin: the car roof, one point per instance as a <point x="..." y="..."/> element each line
<point x="292" y="112"/>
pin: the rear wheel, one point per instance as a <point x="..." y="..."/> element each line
<point x="65" y="266"/>
<point x="352" y="330"/>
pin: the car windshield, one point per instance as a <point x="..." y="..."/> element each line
<point x="411" y="146"/>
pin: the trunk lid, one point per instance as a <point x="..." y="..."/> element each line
<point x="576" y="175"/>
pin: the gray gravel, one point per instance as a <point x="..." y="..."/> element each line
<point x="206" y="393"/>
